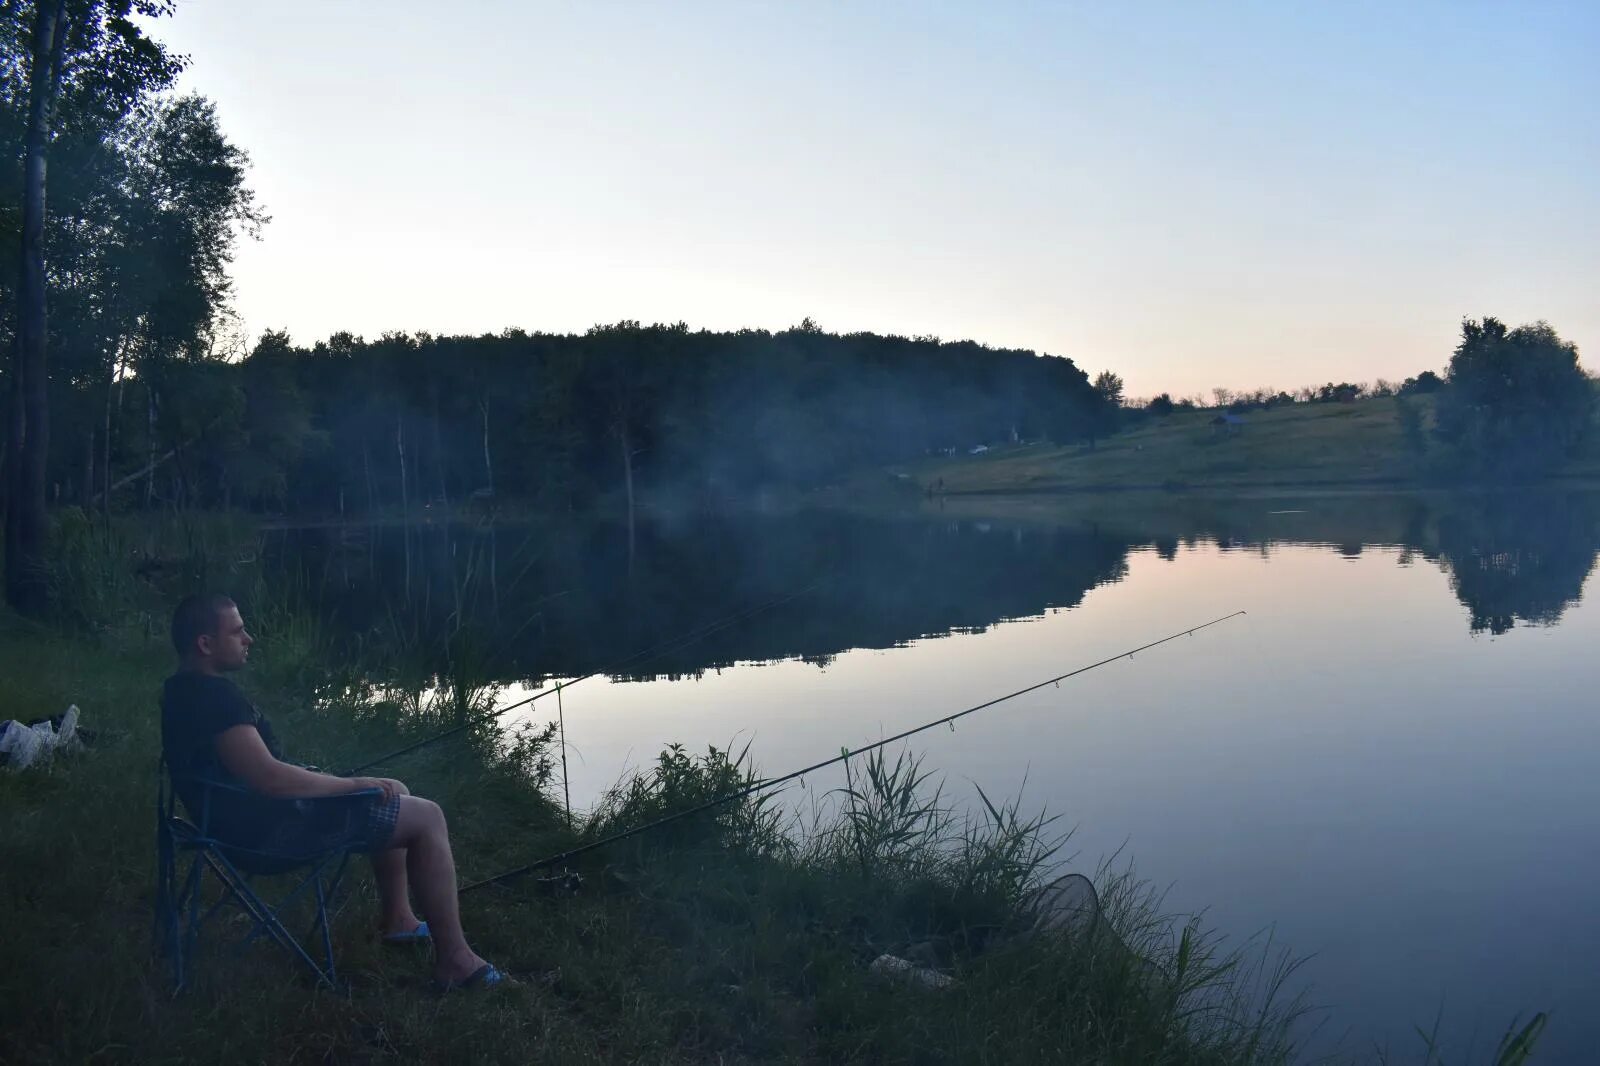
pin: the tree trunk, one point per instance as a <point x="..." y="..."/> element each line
<point x="150" y="426"/>
<point x="29" y="439"/>
<point x="494" y="570"/>
<point x="438" y="452"/>
<point x="366" y="468"/>
<point x="488" y="467"/>
<point x="627" y="481"/>
<point x="86" y="496"/>
<point x="147" y="471"/>
<point x="405" y="497"/>
<point x="105" y="443"/>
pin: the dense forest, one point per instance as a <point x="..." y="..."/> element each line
<point x="405" y="420"/>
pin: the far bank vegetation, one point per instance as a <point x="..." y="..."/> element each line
<point x="1512" y="406"/>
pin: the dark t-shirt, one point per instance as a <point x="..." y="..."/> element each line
<point x="194" y="709"/>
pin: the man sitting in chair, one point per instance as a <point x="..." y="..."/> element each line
<point x="209" y="730"/>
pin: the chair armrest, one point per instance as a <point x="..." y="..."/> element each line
<point x="228" y="786"/>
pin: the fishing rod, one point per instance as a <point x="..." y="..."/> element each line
<point x="670" y="644"/>
<point x="844" y="755"/>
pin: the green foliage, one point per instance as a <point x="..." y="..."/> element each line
<point x="1411" y="431"/>
<point x="680" y="782"/>
<point x="1515" y="1048"/>
<point x="1344" y="392"/>
<point x="889" y="820"/>
<point x="525" y="752"/>
<point x="1517" y="403"/>
<point x="122" y="571"/>
<point x="1423" y="384"/>
<point x="1109" y="386"/>
<point x="89" y="581"/>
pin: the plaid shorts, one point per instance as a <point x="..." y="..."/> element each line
<point x="364" y="824"/>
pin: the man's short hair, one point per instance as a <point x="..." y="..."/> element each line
<point x="196" y="617"/>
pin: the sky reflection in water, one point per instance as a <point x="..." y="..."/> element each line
<point x="1410" y="801"/>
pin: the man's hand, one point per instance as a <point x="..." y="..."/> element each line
<point x="391" y="788"/>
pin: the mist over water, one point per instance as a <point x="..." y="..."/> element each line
<point x="1387" y="762"/>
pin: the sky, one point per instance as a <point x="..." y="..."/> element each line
<point x="1191" y="195"/>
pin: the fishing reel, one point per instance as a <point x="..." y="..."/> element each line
<point x="565" y="883"/>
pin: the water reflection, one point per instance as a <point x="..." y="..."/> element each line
<point x="559" y="600"/>
<point x="1346" y="761"/>
<point x="1521" y="558"/>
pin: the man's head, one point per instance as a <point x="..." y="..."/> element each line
<point x="209" y="635"/>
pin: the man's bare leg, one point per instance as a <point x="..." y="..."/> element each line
<point x="395" y="916"/>
<point x="421" y="832"/>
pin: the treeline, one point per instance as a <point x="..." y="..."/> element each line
<point x="1512" y="404"/>
<point x="411" y="420"/>
<point x="1261" y="399"/>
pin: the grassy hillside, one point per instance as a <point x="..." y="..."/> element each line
<point x="1358" y="443"/>
<point x="1322" y="445"/>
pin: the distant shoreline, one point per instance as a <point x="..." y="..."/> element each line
<point x="1360" y="446"/>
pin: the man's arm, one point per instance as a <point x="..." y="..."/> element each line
<point x="243" y="752"/>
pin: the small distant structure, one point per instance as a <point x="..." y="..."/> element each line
<point x="1226" y="423"/>
<point x="977" y="449"/>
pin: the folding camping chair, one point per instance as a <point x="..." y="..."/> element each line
<point x="181" y="909"/>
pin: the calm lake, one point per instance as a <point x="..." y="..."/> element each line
<point x="1389" y="762"/>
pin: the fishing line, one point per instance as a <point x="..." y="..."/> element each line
<point x="844" y="757"/>
<point x="671" y="644"/>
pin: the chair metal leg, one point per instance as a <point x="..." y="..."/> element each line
<point x="327" y="936"/>
<point x="167" y="926"/>
<point x="267" y="920"/>
<point x="188" y="904"/>
<point x="182" y="910"/>
<point x="324" y="919"/>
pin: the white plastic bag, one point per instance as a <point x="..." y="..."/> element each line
<point x="67" y="731"/>
<point x="910" y="972"/>
<point x="23" y="745"/>
<point x="19" y="744"/>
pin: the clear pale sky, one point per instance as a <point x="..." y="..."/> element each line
<point x="1189" y="194"/>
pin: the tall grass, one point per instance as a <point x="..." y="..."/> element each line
<point x="883" y="865"/>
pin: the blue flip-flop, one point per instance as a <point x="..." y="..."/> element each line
<point x="419" y="935"/>
<point x="485" y="976"/>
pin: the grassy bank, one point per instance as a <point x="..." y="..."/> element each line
<point x="739" y="938"/>
<point x="1368" y="443"/>
<point x="729" y="938"/>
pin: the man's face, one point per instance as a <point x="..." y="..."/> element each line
<point x="229" y="647"/>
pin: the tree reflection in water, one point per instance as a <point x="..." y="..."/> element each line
<point x="1519" y="558"/>
<point x="563" y="601"/>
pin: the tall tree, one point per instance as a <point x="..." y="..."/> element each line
<point x="86" y="67"/>
<point x="1517" y="402"/>
<point x="1109" y="386"/>
<point x="28" y="443"/>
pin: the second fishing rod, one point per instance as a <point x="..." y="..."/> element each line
<point x="845" y="755"/>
